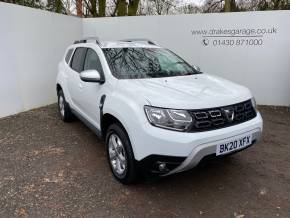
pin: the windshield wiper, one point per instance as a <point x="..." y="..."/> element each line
<point x="158" y="74"/>
<point x="183" y="63"/>
<point x="178" y="62"/>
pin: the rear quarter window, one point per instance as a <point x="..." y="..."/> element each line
<point x="68" y="55"/>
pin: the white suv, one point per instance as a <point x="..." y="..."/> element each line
<point x="157" y="113"/>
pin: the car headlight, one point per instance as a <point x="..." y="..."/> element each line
<point x="179" y="120"/>
<point x="254" y="104"/>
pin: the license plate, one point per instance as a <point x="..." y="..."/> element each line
<point x="237" y="143"/>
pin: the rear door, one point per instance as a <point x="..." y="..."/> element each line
<point x="76" y="66"/>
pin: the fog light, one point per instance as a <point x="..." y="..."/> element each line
<point x="162" y="166"/>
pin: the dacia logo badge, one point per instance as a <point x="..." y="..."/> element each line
<point x="229" y="113"/>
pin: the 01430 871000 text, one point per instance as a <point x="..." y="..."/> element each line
<point x="232" y="42"/>
<point x="237" y="42"/>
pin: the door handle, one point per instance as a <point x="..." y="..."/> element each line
<point x="80" y="86"/>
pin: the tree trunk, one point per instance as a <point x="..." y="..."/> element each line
<point x="94" y="8"/>
<point x="122" y="8"/>
<point x="227" y="5"/>
<point x="102" y="8"/>
<point x="133" y="7"/>
<point x="115" y="10"/>
<point x="79" y="5"/>
<point x="230" y="5"/>
<point x="275" y="4"/>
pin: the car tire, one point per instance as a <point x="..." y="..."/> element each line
<point x="64" y="108"/>
<point x="120" y="154"/>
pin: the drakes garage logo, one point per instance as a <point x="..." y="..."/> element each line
<point x="230" y="114"/>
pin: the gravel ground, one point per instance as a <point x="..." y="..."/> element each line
<point x="52" y="169"/>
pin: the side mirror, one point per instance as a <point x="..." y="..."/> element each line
<point x="197" y="68"/>
<point x="91" y="76"/>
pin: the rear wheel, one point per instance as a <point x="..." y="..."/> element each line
<point x="63" y="107"/>
<point x="120" y="154"/>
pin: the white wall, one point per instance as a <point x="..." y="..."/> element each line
<point x="32" y="42"/>
<point x="265" y="68"/>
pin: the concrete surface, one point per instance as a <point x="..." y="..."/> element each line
<point x="52" y="169"/>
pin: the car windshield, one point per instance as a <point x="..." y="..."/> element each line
<point x="138" y="63"/>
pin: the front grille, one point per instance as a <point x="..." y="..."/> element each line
<point x="220" y="117"/>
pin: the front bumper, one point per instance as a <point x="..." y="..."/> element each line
<point x="209" y="148"/>
<point x="148" y="140"/>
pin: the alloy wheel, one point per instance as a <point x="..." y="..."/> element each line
<point x="117" y="154"/>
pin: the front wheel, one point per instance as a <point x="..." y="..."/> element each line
<point x="120" y="154"/>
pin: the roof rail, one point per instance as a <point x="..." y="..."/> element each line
<point x="85" y="40"/>
<point x="148" y="41"/>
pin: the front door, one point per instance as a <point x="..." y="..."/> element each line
<point x="91" y="92"/>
